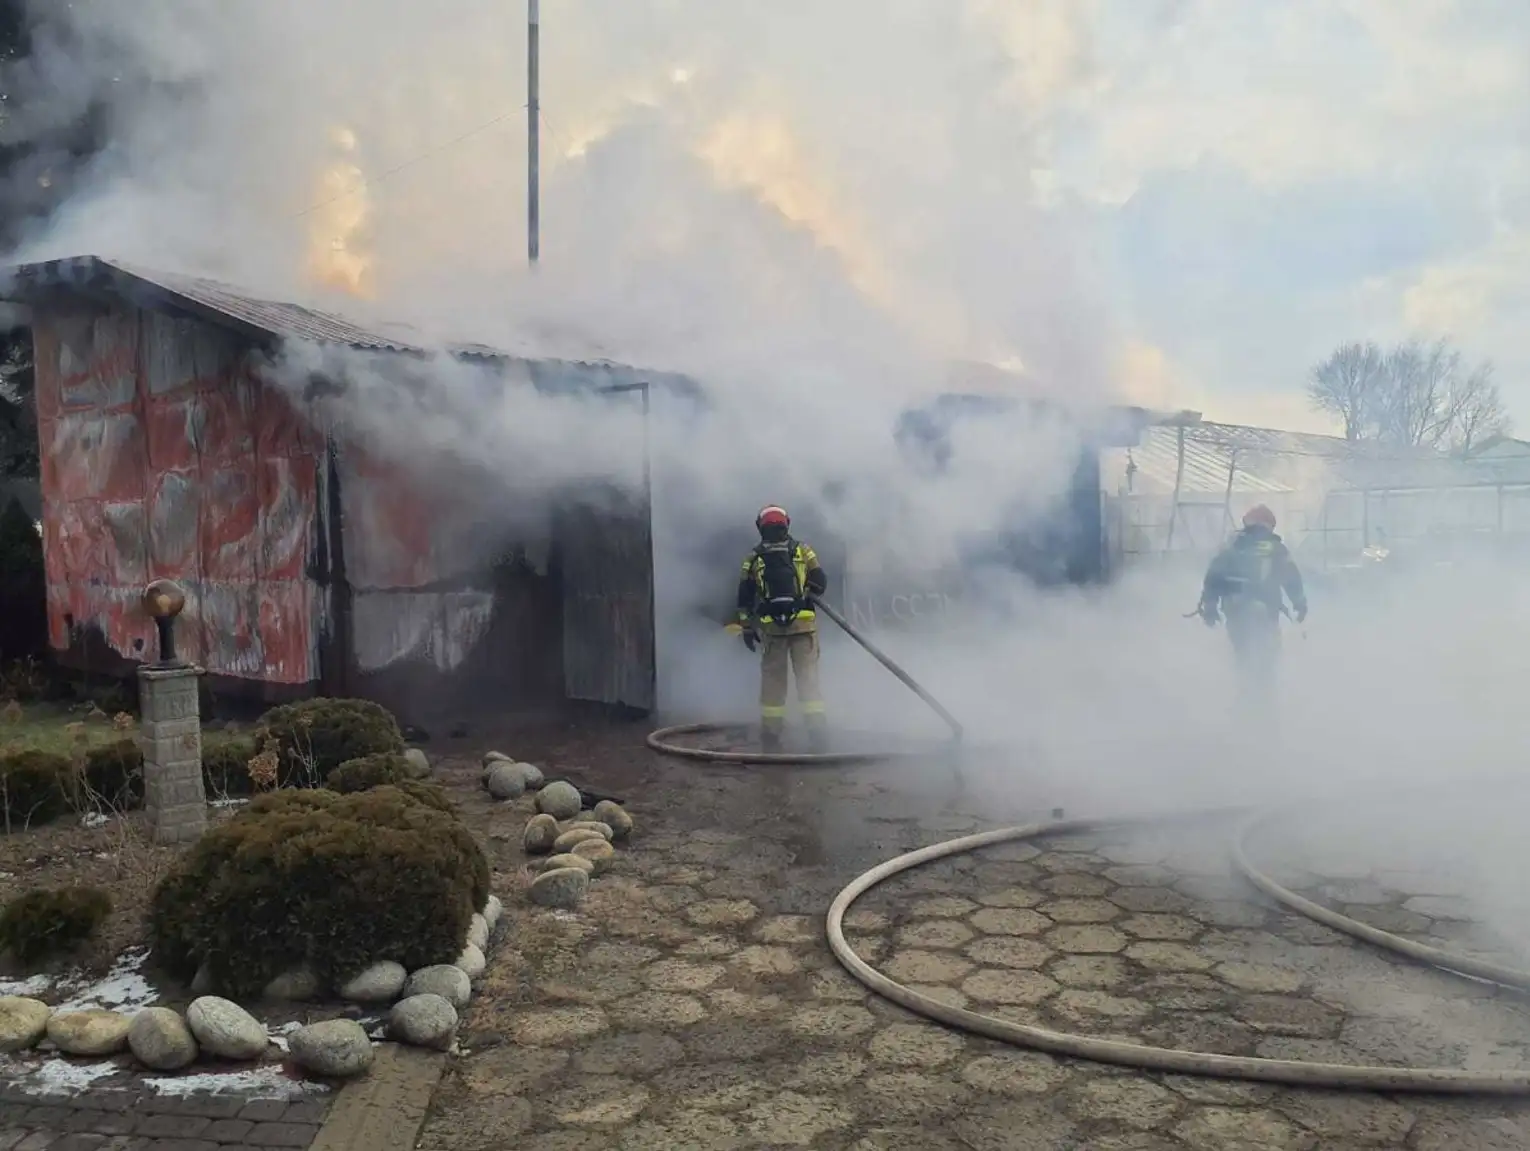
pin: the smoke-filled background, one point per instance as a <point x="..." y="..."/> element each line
<point x="815" y="209"/>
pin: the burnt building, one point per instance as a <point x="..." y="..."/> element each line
<point x="313" y="561"/>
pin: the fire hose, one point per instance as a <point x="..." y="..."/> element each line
<point x="1289" y="1072"/>
<point x="663" y="740"/>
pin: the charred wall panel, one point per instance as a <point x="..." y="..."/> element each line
<point x="164" y="456"/>
<point x="448" y="615"/>
<point x="606" y="559"/>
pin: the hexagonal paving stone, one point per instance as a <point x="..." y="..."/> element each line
<point x="707" y="947"/>
<point x="833" y="983"/>
<point x="1447" y="907"/>
<point x="1259" y="978"/>
<point x="767" y="962"/>
<point x="1135" y="854"/>
<point x="1009" y="951"/>
<point x="864" y="919"/>
<point x="926" y="967"/>
<point x="941" y="907"/>
<point x="1009" y="921"/>
<point x="915" y="1045"/>
<point x="681" y="975"/>
<point x="671" y="898"/>
<point x="1288" y="1015"/>
<point x="1144" y="875"/>
<point x="1349" y="1116"/>
<point x="1014" y="1073"/>
<point x="1011" y="987"/>
<point x="1176" y="928"/>
<point x="1228" y="913"/>
<point x="1080" y="911"/>
<point x="1184" y="991"/>
<point x="1220" y="1128"/>
<point x="743" y="1004"/>
<point x="902" y="1095"/>
<point x="1135" y="1103"/>
<point x="1099" y="971"/>
<point x="1075" y="885"/>
<point x="950" y="996"/>
<point x="678" y="1129"/>
<point x="842" y="1022"/>
<point x="1168" y="957"/>
<point x="1094" y="1005"/>
<point x="794" y="1120"/>
<point x="1087" y="940"/>
<point x="1059" y="862"/>
<point x="721" y="912"/>
<point x="623" y="955"/>
<point x="1155" y="899"/>
<point x="834" y="1070"/>
<point x="935" y="933"/>
<point x="1010" y="897"/>
<point x="642" y="1053"/>
<point x="726" y="1086"/>
<point x="658" y="1009"/>
<point x="1016" y="851"/>
<point x="790" y="929"/>
<point x="558" y="1026"/>
<point x="598" y="1101"/>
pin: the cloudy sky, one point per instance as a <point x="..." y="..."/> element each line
<point x="1184" y="201"/>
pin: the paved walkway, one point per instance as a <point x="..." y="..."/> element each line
<point x="691" y="1003"/>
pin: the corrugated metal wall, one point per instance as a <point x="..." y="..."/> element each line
<point x="164" y="456"/>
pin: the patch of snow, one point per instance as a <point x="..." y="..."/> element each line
<point x="31" y="986"/>
<point x="93" y="819"/>
<point x="265" y="1080"/>
<point x="228" y="803"/>
<point x="55" y="1076"/>
<point x="123" y="988"/>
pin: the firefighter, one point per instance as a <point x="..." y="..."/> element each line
<point x="775" y="612"/>
<point x="1248" y="582"/>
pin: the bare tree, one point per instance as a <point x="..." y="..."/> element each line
<point x="1346" y="385"/>
<point x="1414" y="395"/>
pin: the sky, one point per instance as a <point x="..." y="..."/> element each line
<point x="1185" y="203"/>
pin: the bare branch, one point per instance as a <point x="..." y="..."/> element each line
<point x="1347" y="385"/>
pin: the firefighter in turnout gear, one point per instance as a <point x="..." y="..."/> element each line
<point x="1248" y="582"/>
<point x="775" y="612"/>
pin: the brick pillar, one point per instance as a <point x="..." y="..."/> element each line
<point x="174" y="795"/>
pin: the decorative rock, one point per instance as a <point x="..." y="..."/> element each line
<point x="471" y="962"/>
<point x="299" y="986"/>
<point x="597" y="851"/>
<point x="504" y="782"/>
<point x="160" y="1040"/>
<point x="586" y="821"/>
<point x="492" y="910"/>
<point x="423" y="1021"/>
<point x="23" y="1022"/>
<point x="418" y="760"/>
<point x="569" y="859"/>
<point x="225" y="1029"/>
<point x="490" y="758"/>
<point x="380" y="983"/>
<point x="335" y="1049"/>
<point x="532" y="774"/>
<point x="91" y="1032"/>
<point x="478" y="932"/>
<point x="568" y="839"/>
<point x="560" y="800"/>
<point x="541" y="832"/>
<point x="562" y="887"/>
<point x="614" y="816"/>
<point x="450" y="983"/>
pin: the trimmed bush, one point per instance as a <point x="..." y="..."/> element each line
<point x="35" y="787"/>
<point x="318" y="735"/>
<point x="371" y="771"/>
<point x="40" y="924"/>
<point x="318" y="879"/>
<point x="114" y="774"/>
<point x="226" y="767"/>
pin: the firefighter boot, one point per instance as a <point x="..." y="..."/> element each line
<point x="770" y="740"/>
<point x="818" y="734"/>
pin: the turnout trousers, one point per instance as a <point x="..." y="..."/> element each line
<point x="786" y="654"/>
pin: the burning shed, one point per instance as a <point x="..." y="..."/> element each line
<point x="313" y="561"/>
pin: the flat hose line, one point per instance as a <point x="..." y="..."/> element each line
<point x="1433" y="1080"/>
<point x="662" y="741"/>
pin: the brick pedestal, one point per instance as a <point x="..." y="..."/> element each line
<point x="174" y="795"/>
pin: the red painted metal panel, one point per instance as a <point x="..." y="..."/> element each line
<point x="165" y="456"/>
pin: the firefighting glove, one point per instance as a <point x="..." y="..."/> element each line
<point x="751" y="638"/>
<point x="1210" y="616"/>
<point x="1300" y="613"/>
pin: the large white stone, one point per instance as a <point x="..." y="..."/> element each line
<point x="449" y="982"/>
<point x="423" y="1021"/>
<point x="23" y="1022"/>
<point x="471" y="962"/>
<point x="559" y="799"/>
<point x="335" y="1049"/>
<point x="380" y="983"/>
<point x="160" y="1040"/>
<point x="225" y="1029"/>
<point x="93" y="1032"/>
